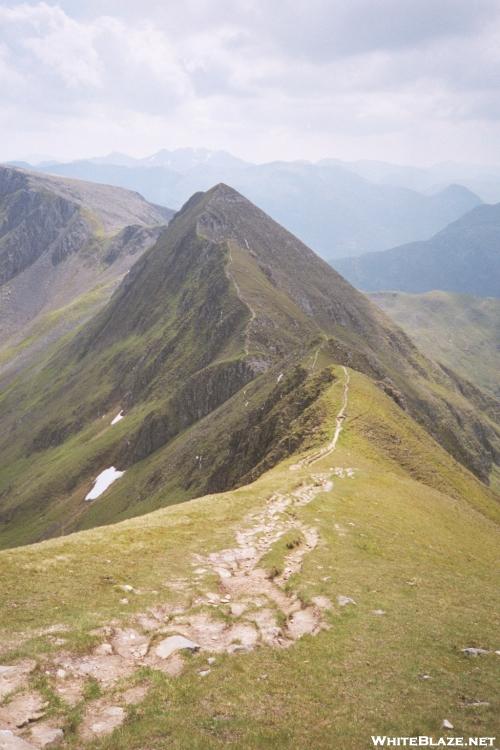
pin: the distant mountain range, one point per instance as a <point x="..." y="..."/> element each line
<point x="464" y="257"/>
<point x="483" y="180"/>
<point x="328" y="205"/>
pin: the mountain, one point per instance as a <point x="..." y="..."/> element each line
<point x="482" y="180"/>
<point x="64" y="245"/>
<point x="329" y="207"/>
<point x="216" y="348"/>
<point x="184" y="159"/>
<point x="317" y="514"/>
<point x="461" y="331"/>
<point x="464" y="257"/>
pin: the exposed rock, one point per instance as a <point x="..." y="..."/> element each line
<point x="130" y="644"/>
<point x="22" y="709"/>
<point x="473" y="651"/>
<point x="103" y="649"/>
<point x="174" y="643"/>
<point x="9" y="741"/>
<point x="105" y="669"/>
<point x="45" y="734"/>
<point x="70" y="691"/>
<point x="101" y="720"/>
<point x="14" y="676"/>
<point x="322" y="602"/>
<point x="303" y="622"/>
<point x="343" y="601"/>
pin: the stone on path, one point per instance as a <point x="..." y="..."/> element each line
<point x="102" y="720"/>
<point x="45" y="734"/>
<point x="22" y="709"/>
<point x="12" y="677"/>
<point x="9" y="741"/>
<point x="174" y="643"/>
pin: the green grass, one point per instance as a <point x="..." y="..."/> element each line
<point x="418" y="541"/>
<point x="273" y="561"/>
<point x="459" y="330"/>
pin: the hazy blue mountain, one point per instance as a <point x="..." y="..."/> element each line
<point x="483" y="180"/>
<point x="334" y="210"/>
<point x="464" y="257"/>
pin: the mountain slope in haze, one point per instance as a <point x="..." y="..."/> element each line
<point x="64" y="244"/>
<point x="216" y="349"/>
<point x="330" y="208"/>
<point x="482" y="180"/>
<point x="460" y="331"/>
<point x="310" y="593"/>
<point x="464" y="257"/>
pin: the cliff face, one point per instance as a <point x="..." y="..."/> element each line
<point x="34" y="223"/>
<point x="62" y="243"/>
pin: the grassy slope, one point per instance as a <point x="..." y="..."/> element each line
<point x="461" y="331"/>
<point x="417" y="538"/>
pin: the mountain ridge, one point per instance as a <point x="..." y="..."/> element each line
<point x="219" y="342"/>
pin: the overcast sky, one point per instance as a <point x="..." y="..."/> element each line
<point x="409" y="81"/>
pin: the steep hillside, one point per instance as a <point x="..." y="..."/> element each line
<point x="460" y="331"/>
<point x="464" y="257"/>
<point x="333" y="210"/>
<point x="64" y="245"/>
<point x="215" y="350"/>
<point x="346" y="582"/>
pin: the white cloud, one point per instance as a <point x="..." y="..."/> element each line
<point x="266" y="80"/>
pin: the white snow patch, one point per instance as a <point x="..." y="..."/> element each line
<point x="118" y="417"/>
<point x="102" y="482"/>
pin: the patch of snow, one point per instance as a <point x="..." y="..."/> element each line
<point x="103" y="481"/>
<point x="118" y="417"/>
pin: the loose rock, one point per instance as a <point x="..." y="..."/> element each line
<point x="343" y="601"/>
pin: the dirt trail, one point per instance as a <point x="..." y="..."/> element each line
<point x="339" y="422"/>
<point x="243" y="605"/>
<point x="253" y="314"/>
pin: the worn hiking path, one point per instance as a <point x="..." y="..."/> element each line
<point x="245" y="603"/>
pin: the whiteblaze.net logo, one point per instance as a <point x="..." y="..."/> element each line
<point x="425" y="741"/>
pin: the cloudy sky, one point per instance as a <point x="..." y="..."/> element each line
<point x="411" y="81"/>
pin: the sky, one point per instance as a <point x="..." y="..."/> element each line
<point x="405" y="81"/>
